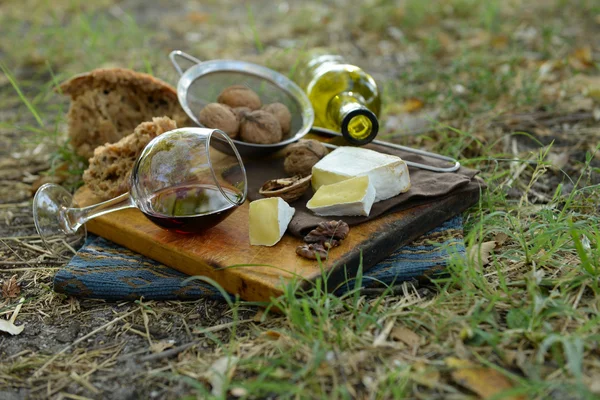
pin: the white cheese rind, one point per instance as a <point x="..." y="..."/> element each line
<point x="268" y="220"/>
<point x="361" y="207"/>
<point x="388" y="174"/>
<point x="286" y="213"/>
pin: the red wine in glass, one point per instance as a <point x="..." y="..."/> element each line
<point x="189" y="208"/>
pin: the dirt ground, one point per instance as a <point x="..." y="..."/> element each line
<point x="488" y="71"/>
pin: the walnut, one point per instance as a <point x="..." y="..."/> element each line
<point x="260" y="127"/>
<point x="239" y="96"/>
<point x="220" y="116"/>
<point x="311" y="251"/>
<point x="289" y="189"/>
<point x="301" y="156"/>
<point x="330" y="231"/>
<point x="324" y="237"/>
<point x="283" y="115"/>
<point x="240" y="112"/>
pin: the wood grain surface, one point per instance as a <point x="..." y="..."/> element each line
<point x="257" y="273"/>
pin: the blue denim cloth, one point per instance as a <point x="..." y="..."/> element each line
<point x="104" y="270"/>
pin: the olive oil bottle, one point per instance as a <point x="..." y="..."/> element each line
<point x="344" y="97"/>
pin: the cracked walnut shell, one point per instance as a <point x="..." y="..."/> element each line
<point x="289" y="189"/>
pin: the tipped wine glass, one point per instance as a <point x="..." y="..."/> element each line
<point x="179" y="182"/>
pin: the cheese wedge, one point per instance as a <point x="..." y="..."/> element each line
<point x="353" y="196"/>
<point x="269" y="219"/>
<point x="388" y="174"/>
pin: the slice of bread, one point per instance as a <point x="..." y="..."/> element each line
<point x="110" y="167"/>
<point x="107" y="104"/>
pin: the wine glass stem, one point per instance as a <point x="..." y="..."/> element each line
<point x="75" y="217"/>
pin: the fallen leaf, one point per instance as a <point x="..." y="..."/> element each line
<point x="486" y="382"/>
<point x="411" y="105"/>
<point x="405" y="335"/>
<point x="499" y="41"/>
<point x="425" y="375"/>
<point x="272" y="335"/>
<point x="500" y="238"/>
<point x="9" y="327"/>
<point x="159" y="347"/>
<point x="383" y="335"/>
<point x="258" y="316"/>
<point x="581" y="58"/>
<point x="10" y="288"/>
<point x="479" y="254"/>
<point x="197" y="17"/>
<point x="558" y="161"/>
<point x="219" y="372"/>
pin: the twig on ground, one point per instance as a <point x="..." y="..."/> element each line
<point x="167" y="353"/>
<point x="220" y="327"/>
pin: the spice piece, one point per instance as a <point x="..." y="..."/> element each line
<point x="301" y="156"/>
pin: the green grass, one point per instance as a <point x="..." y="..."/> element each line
<point x="530" y="313"/>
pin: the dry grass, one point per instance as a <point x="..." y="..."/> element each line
<point x="512" y="88"/>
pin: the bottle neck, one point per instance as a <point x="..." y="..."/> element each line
<point x="358" y="124"/>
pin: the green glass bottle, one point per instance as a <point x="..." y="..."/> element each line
<point x="344" y="97"/>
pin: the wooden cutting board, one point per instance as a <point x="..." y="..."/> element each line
<point x="257" y="273"/>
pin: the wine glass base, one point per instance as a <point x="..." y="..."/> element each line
<point x="48" y="205"/>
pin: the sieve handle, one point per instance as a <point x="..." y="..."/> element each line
<point x="178" y="53"/>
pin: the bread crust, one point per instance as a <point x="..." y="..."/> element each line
<point x="108" y="103"/>
<point x="81" y="82"/>
<point x="110" y="167"/>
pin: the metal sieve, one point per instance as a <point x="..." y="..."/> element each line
<point x="203" y="81"/>
<point x="201" y="84"/>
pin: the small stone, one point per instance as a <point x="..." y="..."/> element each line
<point x="69" y="334"/>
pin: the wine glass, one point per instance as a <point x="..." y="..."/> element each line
<point x="179" y="182"/>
